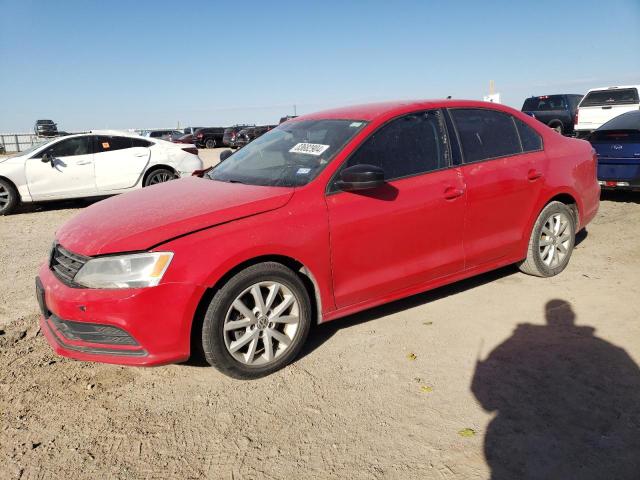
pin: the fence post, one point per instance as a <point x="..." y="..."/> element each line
<point x="17" y="143"/>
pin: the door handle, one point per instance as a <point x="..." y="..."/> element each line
<point x="534" y="174"/>
<point x="453" y="192"/>
<point x="83" y="162"/>
<point x="140" y="154"/>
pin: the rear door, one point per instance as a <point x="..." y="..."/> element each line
<point x="503" y="168"/>
<point x="69" y="174"/>
<point x="120" y="161"/>
<point x="600" y="106"/>
<point x="408" y="231"/>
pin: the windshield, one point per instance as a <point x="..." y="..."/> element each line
<point x="32" y="148"/>
<point x="288" y="156"/>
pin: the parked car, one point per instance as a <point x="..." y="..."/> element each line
<point x="286" y="214"/>
<point x="600" y="105"/>
<point x="45" y="128"/>
<point x="166" y="134"/>
<point x="190" y="130"/>
<point x="617" y="144"/>
<point x="247" y="135"/>
<point x="188" y="138"/>
<point x="209" y="137"/>
<point x="230" y="134"/>
<point x="91" y="164"/>
<point x="555" y="111"/>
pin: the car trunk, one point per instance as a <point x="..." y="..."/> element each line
<point x="618" y="154"/>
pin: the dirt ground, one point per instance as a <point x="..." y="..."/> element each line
<point x="497" y="375"/>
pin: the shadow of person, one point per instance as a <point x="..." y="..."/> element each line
<point x="567" y="403"/>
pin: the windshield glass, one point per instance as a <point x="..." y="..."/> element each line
<point x="288" y="156"/>
<point x="32" y="148"/>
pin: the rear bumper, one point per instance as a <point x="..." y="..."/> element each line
<point x="148" y="326"/>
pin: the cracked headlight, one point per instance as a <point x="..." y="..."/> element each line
<point x="137" y="270"/>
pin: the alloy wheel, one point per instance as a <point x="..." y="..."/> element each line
<point x="160" y="177"/>
<point x="555" y="239"/>
<point x="261" y="323"/>
<point x="4" y="197"/>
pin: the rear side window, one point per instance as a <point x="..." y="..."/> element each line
<point x="408" y="145"/>
<point x="618" y="96"/>
<point x="530" y="139"/>
<point x="70" y="147"/>
<point x="486" y="134"/>
<point x="109" y="144"/>
<point x="139" y="142"/>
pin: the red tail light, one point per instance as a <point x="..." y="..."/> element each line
<point x="575" y="122"/>
<point x="199" y="135"/>
<point x="191" y="150"/>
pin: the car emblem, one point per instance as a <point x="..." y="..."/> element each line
<point x="617" y="147"/>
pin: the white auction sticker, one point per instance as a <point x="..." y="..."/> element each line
<point x="309" y="148"/>
<point x="303" y="171"/>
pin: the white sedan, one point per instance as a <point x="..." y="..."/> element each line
<point x="91" y="164"/>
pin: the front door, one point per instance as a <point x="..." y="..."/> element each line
<point x="408" y="231"/>
<point x="69" y="173"/>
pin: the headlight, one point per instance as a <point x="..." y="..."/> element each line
<point x="137" y="270"/>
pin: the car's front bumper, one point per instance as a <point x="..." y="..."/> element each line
<point x="146" y="326"/>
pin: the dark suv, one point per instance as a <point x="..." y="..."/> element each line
<point x="209" y="137"/>
<point x="248" y="135"/>
<point x="555" y="111"/>
<point x="230" y="135"/>
<point x="46" y="128"/>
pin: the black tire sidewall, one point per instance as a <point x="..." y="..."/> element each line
<point x="551" y="209"/>
<point x="216" y="352"/>
<point x="210" y="142"/>
<point x="156" y="172"/>
<point x="13" y="198"/>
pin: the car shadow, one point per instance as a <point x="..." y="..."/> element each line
<point x="622" y="196"/>
<point x="321" y="333"/>
<point x="566" y="403"/>
<point x="56" y="205"/>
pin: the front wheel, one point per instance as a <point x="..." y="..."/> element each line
<point x="159" y="176"/>
<point x="551" y="242"/>
<point x="211" y="143"/>
<point x="8" y="197"/>
<point x="257" y="322"/>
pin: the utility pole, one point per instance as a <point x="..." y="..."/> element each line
<point x="294" y="110"/>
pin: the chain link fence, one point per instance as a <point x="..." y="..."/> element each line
<point x="17" y="142"/>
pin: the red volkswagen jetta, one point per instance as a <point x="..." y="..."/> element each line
<point x="326" y="215"/>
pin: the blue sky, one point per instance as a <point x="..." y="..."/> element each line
<point x="130" y="64"/>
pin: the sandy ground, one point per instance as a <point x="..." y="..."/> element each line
<point x="395" y="392"/>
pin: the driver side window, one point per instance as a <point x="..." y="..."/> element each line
<point x="407" y="146"/>
<point x="70" y="147"/>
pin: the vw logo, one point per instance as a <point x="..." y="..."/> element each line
<point x="617" y="147"/>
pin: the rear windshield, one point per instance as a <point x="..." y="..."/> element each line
<point x="619" y="96"/>
<point x="546" y="102"/>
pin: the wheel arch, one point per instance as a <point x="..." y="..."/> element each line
<point x="307" y="277"/>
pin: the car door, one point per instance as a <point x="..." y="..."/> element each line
<point x="503" y="168"/>
<point x="69" y="173"/>
<point x="408" y="231"/>
<point x="120" y="161"/>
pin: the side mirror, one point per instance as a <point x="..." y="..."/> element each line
<point x="360" y="177"/>
<point x="225" y="154"/>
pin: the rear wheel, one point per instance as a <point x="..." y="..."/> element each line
<point x="257" y="322"/>
<point x="557" y="127"/>
<point x="8" y="197"/>
<point x="211" y="143"/>
<point x="551" y="242"/>
<point x="160" y="175"/>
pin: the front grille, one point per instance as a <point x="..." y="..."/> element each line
<point x="65" y="265"/>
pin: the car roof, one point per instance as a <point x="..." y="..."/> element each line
<point x="614" y="87"/>
<point x="371" y="111"/>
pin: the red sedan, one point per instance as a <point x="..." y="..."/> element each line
<point x="324" y="216"/>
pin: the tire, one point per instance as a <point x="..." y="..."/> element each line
<point x="557" y="127"/>
<point x="235" y="343"/>
<point x="9" y="197"/>
<point x="160" y="175"/>
<point x="210" y="143"/>
<point x="550" y="255"/>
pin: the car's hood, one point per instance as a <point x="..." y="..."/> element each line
<point x="147" y="217"/>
